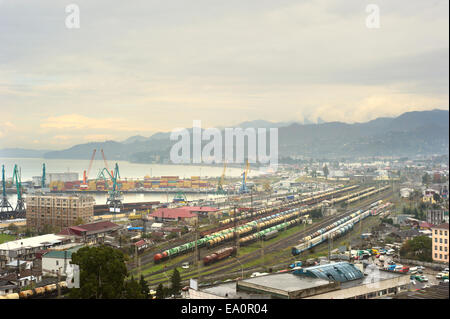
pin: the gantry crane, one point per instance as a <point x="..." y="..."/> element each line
<point x="17" y="180"/>
<point x="115" y="197"/>
<point x="220" y="190"/>
<point x="84" y="185"/>
<point x="5" y="204"/>
<point x="244" y="188"/>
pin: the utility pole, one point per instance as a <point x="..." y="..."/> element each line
<point x="197" y="252"/>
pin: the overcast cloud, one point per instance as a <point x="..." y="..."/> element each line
<point x="142" y="66"/>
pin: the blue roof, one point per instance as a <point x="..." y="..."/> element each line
<point x="341" y="271"/>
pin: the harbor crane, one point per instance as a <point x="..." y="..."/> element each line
<point x="220" y="190"/>
<point x="17" y="180"/>
<point x="115" y="197"/>
<point x="5" y="204"/>
<point x="244" y="188"/>
<point x="84" y="185"/>
<point x="43" y="177"/>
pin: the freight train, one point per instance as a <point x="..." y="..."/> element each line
<point x="338" y="228"/>
<point x="357" y="198"/>
<point x="38" y="292"/>
<point x="219" y="255"/>
<point x="258" y="225"/>
<point x="288" y="204"/>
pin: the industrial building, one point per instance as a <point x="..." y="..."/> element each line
<point x="58" y="211"/>
<point x="62" y="177"/>
<point x="341" y="280"/>
<point x="27" y="248"/>
<point x="92" y="233"/>
<point x="174" y="214"/>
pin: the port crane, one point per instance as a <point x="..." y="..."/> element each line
<point x="220" y="190"/>
<point x="17" y="180"/>
<point x="115" y="197"/>
<point x="43" y="177"/>
<point x="244" y="188"/>
<point x="5" y="204"/>
<point x="84" y="185"/>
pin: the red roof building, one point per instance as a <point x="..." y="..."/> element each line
<point x="425" y="225"/>
<point x="91" y="231"/>
<point x="174" y="214"/>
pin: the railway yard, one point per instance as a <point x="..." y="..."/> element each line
<point x="267" y="239"/>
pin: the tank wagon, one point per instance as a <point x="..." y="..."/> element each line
<point x="280" y="215"/>
<point x="373" y="192"/>
<point x="338" y="228"/>
<point x="37" y="292"/>
<point x="219" y="255"/>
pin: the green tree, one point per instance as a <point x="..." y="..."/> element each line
<point x="418" y="248"/>
<point x="160" y="292"/>
<point x="426" y="179"/>
<point x="144" y="287"/>
<point x="13" y="228"/>
<point x="132" y="290"/>
<point x="325" y="171"/>
<point x="175" y="280"/>
<point x="102" y="273"/>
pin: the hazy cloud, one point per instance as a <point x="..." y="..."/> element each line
<point x="156" y="65"/>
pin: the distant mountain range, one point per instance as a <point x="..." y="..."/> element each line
<point x="412" y="133"/>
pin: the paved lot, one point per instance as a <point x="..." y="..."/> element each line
<point x="427" y="272"/>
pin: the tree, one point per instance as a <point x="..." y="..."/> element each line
<point x="426" y="179"/>
<point x="419" y="248"/>
<point x="437" y="197"/>
<point x="144" y="287"/>
<point x="132" y="290"/>
<point x="78" y="221"/>
<point x="325" y="171"/>
<point x="102" y="273"/>
<point x="175" y="280"/>
<point x="13" y="228"/>
<point x="160" y="292"/>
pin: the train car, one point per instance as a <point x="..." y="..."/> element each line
<point x="270" y="235"/>
<point x="219" y="255"/>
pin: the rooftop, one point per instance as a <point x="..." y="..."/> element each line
<point x="173" y="213"/>
<point x="89" y="228"/>
<point x="340" y="271"/>
<point x="32" y="242"/>
<point x="441" y="226"/>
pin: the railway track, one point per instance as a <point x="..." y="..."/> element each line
<point x="231" y="263"/>
<point x="148" y="258"/>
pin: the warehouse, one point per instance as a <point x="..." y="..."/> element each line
<point x="26" y="248"/>
<point x="174" y="214"/>
<point x="90" y="233"/>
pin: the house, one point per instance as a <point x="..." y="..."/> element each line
<point x="57" y="260"/>
<point x="24" y="278"/>
<point x="92" y="233"/>
<point x="7" y="287"/>
<point x="425" y="226"/>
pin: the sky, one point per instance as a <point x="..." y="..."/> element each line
<point x="145" y="66"/>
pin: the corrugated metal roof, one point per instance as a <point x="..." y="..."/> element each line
<point x="341" y="272"/>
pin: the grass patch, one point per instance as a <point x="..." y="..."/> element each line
<point x="5" y="237"/>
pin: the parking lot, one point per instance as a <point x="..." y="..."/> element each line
<point x="427" y="272"/>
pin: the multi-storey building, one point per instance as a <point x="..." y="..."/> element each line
<point x="58" y="211"/>
<point x="440" y="242"/>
